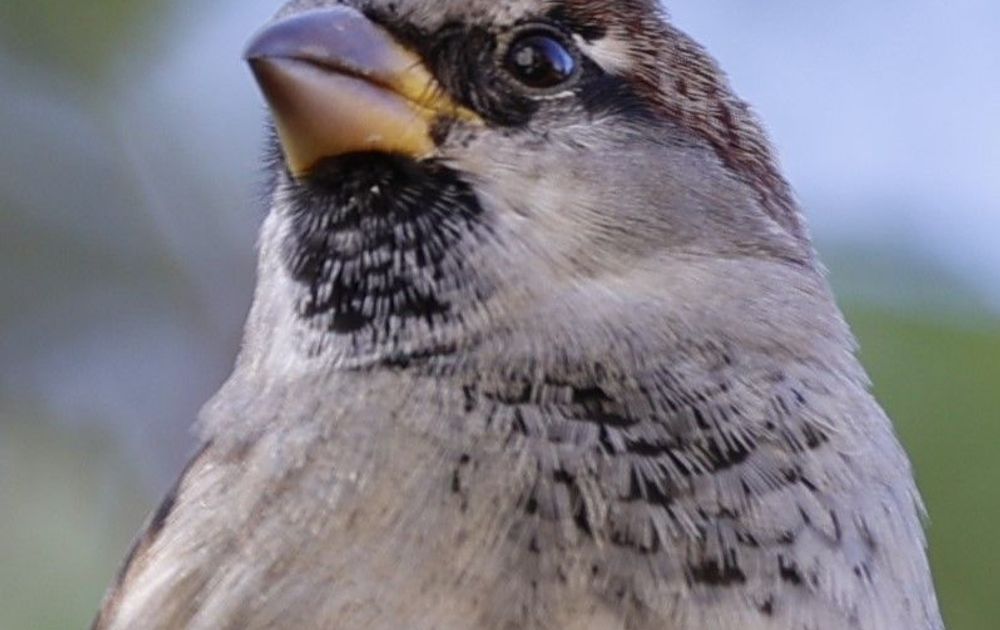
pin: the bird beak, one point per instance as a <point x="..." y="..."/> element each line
<point x="337" y="83"/>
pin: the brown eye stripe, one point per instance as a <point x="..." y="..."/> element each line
<point x="682" y="82"/>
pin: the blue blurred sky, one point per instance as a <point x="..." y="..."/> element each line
<point x="886" y="114"/>
<point x="136" y="199"/>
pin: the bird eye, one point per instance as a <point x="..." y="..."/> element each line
<point x="539" y="60"/>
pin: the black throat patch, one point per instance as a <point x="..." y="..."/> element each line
<point x="376" y="240"/>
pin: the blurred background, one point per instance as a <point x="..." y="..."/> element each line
<point x="129" y="203"/>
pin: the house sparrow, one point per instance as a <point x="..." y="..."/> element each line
<point x="539" y="341"/>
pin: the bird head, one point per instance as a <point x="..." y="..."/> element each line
<point x="448" y="172"/>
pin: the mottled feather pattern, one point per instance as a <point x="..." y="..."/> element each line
<point x="579" y="371"/>
<point x="645" y="502"/>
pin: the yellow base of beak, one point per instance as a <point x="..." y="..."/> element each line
<point x="320" y="114"/>
<point x="338" y="83"/>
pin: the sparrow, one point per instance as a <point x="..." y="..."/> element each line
<point x="539" y="341"/>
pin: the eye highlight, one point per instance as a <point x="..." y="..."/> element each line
<point x="538" y="58"/>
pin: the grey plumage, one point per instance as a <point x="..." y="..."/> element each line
<point x="578" y="372"/>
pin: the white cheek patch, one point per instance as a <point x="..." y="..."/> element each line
<point x="610" y="53"/>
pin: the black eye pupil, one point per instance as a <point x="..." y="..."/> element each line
<point x="539" y="60"/>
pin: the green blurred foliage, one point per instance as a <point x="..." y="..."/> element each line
<point x="68" y="516"/>
<point x="76" y="36"/>
<point x="940" y="382"/>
